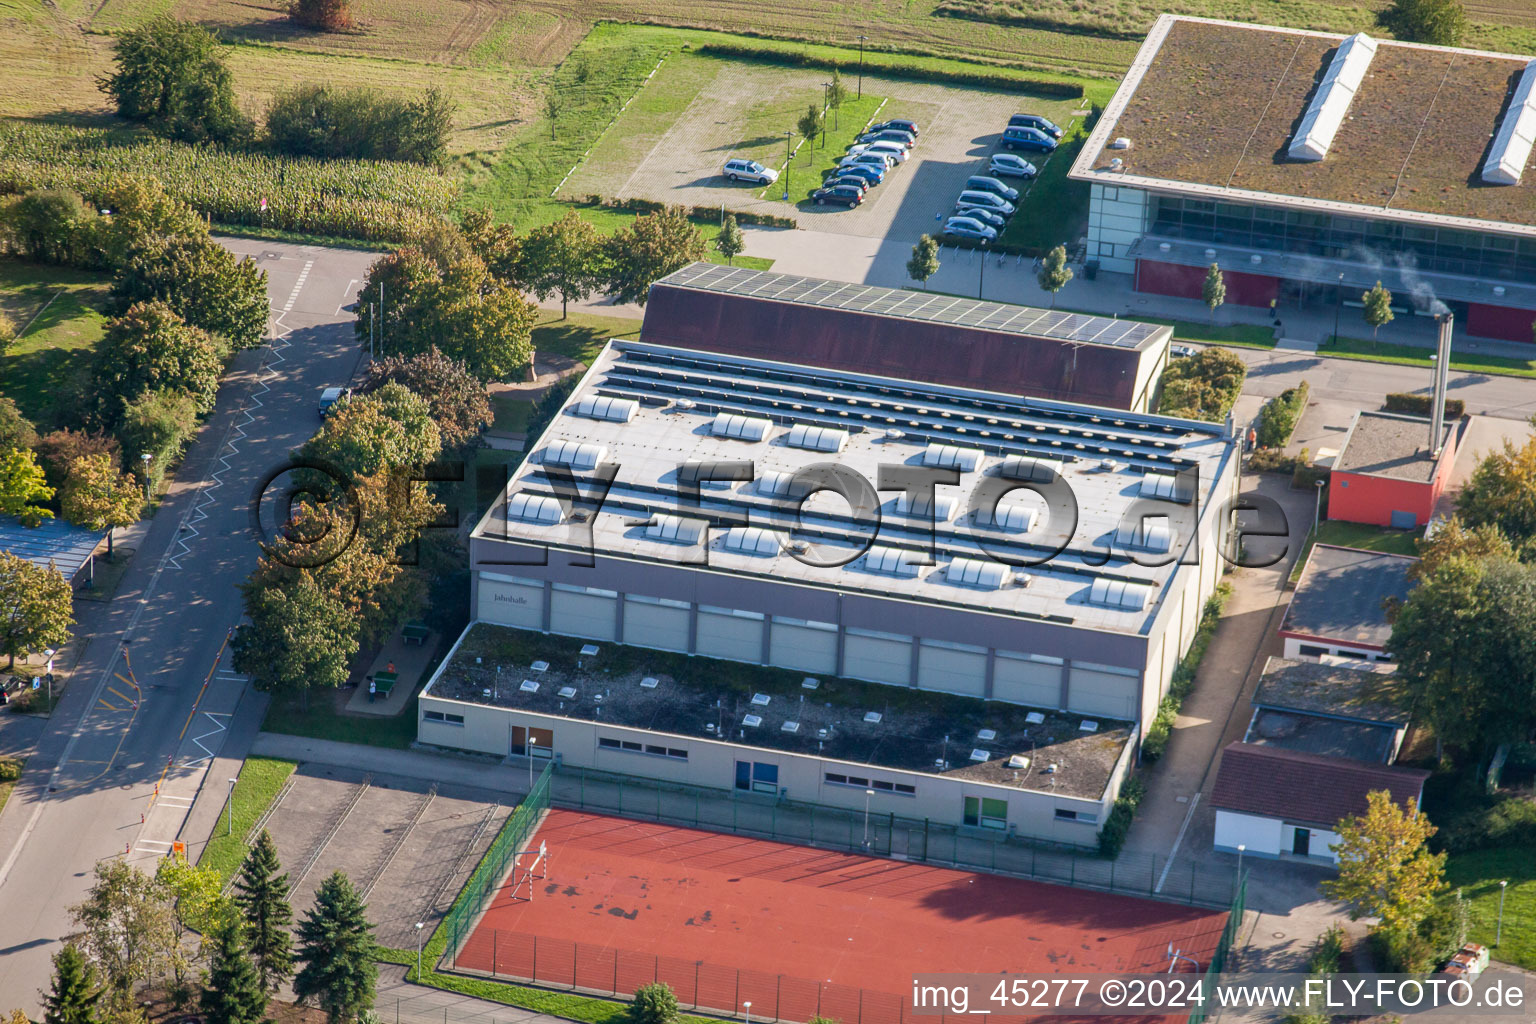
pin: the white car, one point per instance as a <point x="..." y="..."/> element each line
<point x="749" y="170"/>
<point x="884" y="161"/>
<point x="895" y="149"/>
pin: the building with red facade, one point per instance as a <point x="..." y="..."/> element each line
<point x="1387" y="473"/>
<point x="1309" y="166"/>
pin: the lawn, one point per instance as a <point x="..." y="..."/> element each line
<point x="1477" y="875"/>
<point x="1359" y="535"/>
<point x="581" y="336"/>
<point x="57" y="312"/>
<point x="1413" y="355"/>
<point x="9" y="766"/>
<point x="816" y="158"/>
<point x="322" y="721"/>
<point x="1052" y="211"/>
<point x="1240" y="335"/>
<point x="260" y="780"/>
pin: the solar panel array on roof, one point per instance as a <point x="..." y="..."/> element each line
<point x="947" y="309"/>
<point x="53" y="541"/>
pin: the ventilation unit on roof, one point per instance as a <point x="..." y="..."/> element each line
<point x="1346" y="71"/>
<point x="873" y="717"/>
<point x="1027" y="468"/>
<point x="740" y="428"/>
<point x="938" y="507"/>
<point x="573" y="454"/>
<point x="533" y="508"/>
<point x="1152" y="533"/>
<point x="816" y="439"/>
<point x="981" y="756"/>
<point x="751" y="540"/>
<point x="1512" y="143"/>
<point x="675" y="529"/>
<point x="1160" y="485"/>
<point x="1120" y="594"/>
<point x="973" y="572"/>
<point x="1009" y="516"/>
<point x="949" y="456"/>
<point x="1035" y="718"/>
<point x="891" y="561"/>
<point x="751" y="721"/>
<point x="605" y="407"/>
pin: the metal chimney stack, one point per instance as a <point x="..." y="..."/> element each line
<point x="1445" y="321"/>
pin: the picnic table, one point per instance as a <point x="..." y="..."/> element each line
<point x="415" y="633"/>
<point x="383" y="682"/>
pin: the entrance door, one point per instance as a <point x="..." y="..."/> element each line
<point x="1301" y="846"/>
<point x="533" y="742"/>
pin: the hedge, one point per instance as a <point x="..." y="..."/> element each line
<point x="711" y="213"/>
<point x="1156" y="740"/>
<point x="1419" y="405"/>
<point x="1118" y="825"/>
<point x="875" y="64"/>
<point x="1277" y="420"/>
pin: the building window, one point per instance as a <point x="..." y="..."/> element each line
<point x="879" y="785"/>
<point x="986" y="812"/>
<point x="757" y="777"/>
<point x="1312" y="651"/>
<point x="1082" y="817"/>
<point x="439" y="716"/>
<point x="631" y="747"/>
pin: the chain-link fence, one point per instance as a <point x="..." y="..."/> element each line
<point x="1228" y="940"/>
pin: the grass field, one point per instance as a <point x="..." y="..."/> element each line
<point x="580" y="336"/>
<point x="1358" y="535"/>
<point x="1477" y="874"/>
<point x="817" y="156"/>
<point x="259" y="782"/>
<point x="1054" y="210"/>
<point x="1243" y="335"/>
<point x="1414" y="355"/>
<point x="57" y="312"/>
<point x="322" y="721"/>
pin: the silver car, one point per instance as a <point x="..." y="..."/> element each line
<point x="970" y="227"/>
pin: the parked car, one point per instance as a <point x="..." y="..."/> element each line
<point x="1183" y="351"/>
<point x="1035" y="121"/>
<point x="983" y="183"/>
<point x="749" y="170"/>
<point x="330" y="396"/>
<point x="848" y="195"/>
<point x="895" y="149"/>
<point x="1009" y="165"/>
<point x="862" y="184"/>
<point x="991" y="218"/>
<point x="872" y="173"/>
<point x="890" y="135"/>
<point x="880" y="160"/>
<point x="970" y="227"/>
<point x="900" y="124"/>
<point x="1031" y="139"/>
<point x="985" y="200"/>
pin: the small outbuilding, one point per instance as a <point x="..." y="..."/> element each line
<point x="1339" y="606"/>
<point x="1388" y="473"/>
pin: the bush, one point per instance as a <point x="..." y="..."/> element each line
<point x="160" y="424"/>
<point x="322" y="15"/>
<point x="1273" y="460"/>
<point x="171" y="76"/>
<point x="1474" y="821"/>
<point x="329" y="123"/>
<point x="1327" y="952"/>
<point x="892" y="67"/>
<point x="1183" y="680"/>
<point x="1204" y="386"/>
<point x="10" y="769"/>
<point x="58" y="451"/>
<point x="16" y="431"/>
<point x="1118" y="825"/>
<point x="654" y="1004"/>
<point x="1419" y="405"/>
<point x="703" y="213"/>
<point x="1277" y="420"/>
<point x="1438" y="22"/>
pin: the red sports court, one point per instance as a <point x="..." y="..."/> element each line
<point x="798" y="931"/>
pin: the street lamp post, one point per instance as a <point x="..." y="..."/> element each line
<point x="230" y="827"/>
<point x="861" y="66"/>
<point x="1338" y="307"/>
<point x="981" y="275"/>
<point x="788" y="135"/>
<point x="418" y="950"/>
<point x="1317" y="506"/>
<point x="145" y="457"/>
<point x="1498" y="933"/>
<point x="1241" y="849"/>
<point x="867" y="794"/>
<point x="746" y="1009"/>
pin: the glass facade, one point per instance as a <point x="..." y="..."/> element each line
<point x="1335" y="236"/>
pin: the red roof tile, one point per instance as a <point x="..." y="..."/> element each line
<point x="1307" y="788"/>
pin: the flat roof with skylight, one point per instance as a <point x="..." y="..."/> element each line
<point x="1139" y="482"/>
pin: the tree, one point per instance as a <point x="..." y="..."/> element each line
<point x="564" y="258"/>
<point x="1385" y="869"/>
<point x="141" y="209"/>
<point x="57" y="451"/>
<point x="73" y="996"/>
<point x="1439" y="22"/>
<point x="234" y="993"/>
<point x="655" y="1003"/>
<point x="730" y="241"/>
<point x="200" y="281"/>
<point x="22" y="485"/>
<point x="98" y="497"/>
<point x="925" y="260"/>
<point x="652" y="247"/>
<point x="36" y="607"/>
<point x="837" y="92"/>
<point x="1054" y="272"/>
<point x="297" y="638"/>
<point x="51" y="226"/>
<point x="336" y="949"/>
<point x="809" y="124"/>
<point x="328" y="122"/>
<point x="552" y="105"/>
<point x="452" y="303"/>
<point x="147" y="349"/>
<point x="261" y="892"/>
<point x="126" y="930"/>
<point x="1378" y="308"/>
<point x="497" y="245"/>
<point x="1213" y="290"/>
<point x="198" y="905"/>
<point x="171" y="76"/>
<point x="458" y="401"/>
<point x="157" y="424"/>
<point x="1454" y="539"/>
<point x="389" y="428"/>
<point x="1204" y="386"/>
<point x="7" y="332"/>
<point x="16" y="431"/>
<point x="323" y="15"/>
<point x="1502" y="493"/>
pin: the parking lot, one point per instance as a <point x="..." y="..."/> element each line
<point x="715" y="110"/>
<point x="408" y="845"/>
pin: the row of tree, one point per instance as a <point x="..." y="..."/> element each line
<point x="171" y="76"/>
<point x="1051" y="271"/>
<point x="229" y="954"/>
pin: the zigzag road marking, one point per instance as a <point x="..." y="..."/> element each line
<point x="229" y="448"/>
<point x="219" y="727"/>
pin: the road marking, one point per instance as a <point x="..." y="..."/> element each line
<point x="121" y="696"/>
<point x="1178" y="839"/>
<point x="341" y="306"/>
<point x="218" y="727"/>
<point x="109" y="707"/>
<point x="298" y="285"/>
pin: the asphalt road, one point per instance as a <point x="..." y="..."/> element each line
<point x="149" y="701"/>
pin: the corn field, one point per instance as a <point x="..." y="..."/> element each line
<point x="362" y="199"/>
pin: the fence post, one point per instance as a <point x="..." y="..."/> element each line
<point x="1112" y="874"/>
<point x="494" y="933"/>
<point x="925" y="839"/>
<point x="778" y="996"/>
<point x="615" y="972"/>
<point x="1152" y="876"/>
<point x="655" y="968"/>
<point x="535" y="958"/>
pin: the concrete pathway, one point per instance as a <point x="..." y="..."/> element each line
<point x="409" y="663"/>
